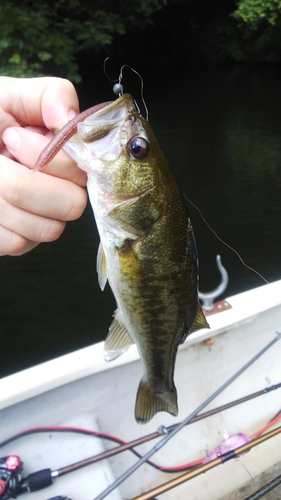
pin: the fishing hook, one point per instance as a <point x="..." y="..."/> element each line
<point x="118" y="88"/>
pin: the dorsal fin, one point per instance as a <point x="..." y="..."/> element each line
<point x="199" y="321"/>
<point x="118" y="339"/>
<point x="101" y="267"/>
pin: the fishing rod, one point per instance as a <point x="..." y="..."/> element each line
<point x="41" y="479"/>
<point x="265" y="489"/>
<point x="12" y="464"/>
<point x="136" y="442"/>
<point x="38" y="480"/>
<point x="178" y="427"/>
<point x="205" y="467"/>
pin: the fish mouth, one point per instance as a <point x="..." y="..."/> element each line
<point x="124" y="100"/>
<point x="103" y="136"/>
<point x="108" y="117"/>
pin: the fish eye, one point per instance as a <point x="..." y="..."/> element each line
<point x="139" y="148"/>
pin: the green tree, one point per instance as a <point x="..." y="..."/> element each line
<point x="37" y="37"/>
<point x="253" y="32"/>
<point x="253" y="13"/>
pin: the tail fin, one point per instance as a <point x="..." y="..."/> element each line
<point x="151" y="400"/>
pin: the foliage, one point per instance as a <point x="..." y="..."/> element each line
<point x="37" y="37"/>
<point x="49" y="37"/>
<point x="252" y="33"/>
<point x="254" y="12"/>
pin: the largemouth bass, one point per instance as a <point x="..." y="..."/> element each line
<point x="147" y="251"/>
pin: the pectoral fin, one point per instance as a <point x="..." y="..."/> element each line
<point x="101" y="267"/>
<point x="140" y="213"/>
<point x="118" y="340"/>
<point x="130" y="265"/>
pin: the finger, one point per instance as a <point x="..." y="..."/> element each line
<point x="29" y="225"/>
<point x="14" y="244"/>
<point x="39" y="101"/>
<point x="25" y="145"/>
<point x="40" y="193"/>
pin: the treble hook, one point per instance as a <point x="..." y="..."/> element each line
<point x="208" y="298"/>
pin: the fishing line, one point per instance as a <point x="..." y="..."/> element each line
<point x="224" y="242"/>
<point x="199" y="211"/>
<point x="169" y="436"/>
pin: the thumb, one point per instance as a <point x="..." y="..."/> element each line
<point x="45" y="101"/>
<point x="59" y="103"/>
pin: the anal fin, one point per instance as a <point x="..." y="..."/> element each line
<point x="118" y="339"/>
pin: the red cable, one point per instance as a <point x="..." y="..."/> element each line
<point x="121" y="441"/>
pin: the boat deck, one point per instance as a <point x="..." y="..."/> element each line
<point x="255" y="485"/>
<point x="81" y="390"/>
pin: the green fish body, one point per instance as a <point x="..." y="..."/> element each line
<point x="147" y="250"/>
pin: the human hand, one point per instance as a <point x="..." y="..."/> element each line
<point x="34" y="206"/>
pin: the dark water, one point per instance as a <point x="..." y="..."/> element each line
<point x="221" y="130"/>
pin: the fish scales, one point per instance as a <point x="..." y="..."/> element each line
<point x="147" y="251"/>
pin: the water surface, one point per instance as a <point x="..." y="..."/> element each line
<point x="221" y="130"/>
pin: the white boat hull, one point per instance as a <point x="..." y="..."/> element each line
<point x="81" y="390"/>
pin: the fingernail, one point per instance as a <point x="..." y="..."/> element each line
<point x="71" y="114"/>
<point x="12" y="139"/>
